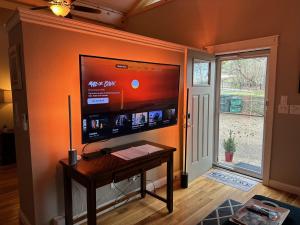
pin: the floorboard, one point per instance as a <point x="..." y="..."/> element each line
<point x="9" y="195"/>
<point x="190" y="205"/>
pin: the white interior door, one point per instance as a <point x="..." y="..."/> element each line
<point x="200" y="83"/>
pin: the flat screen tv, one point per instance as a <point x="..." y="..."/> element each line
<point x="121" y="97"/>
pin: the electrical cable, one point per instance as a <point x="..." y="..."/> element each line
<point x="121" y="192"/>
<point x="85" y="146"/>
<point x="151" y="182"/>
<point x="124" y="191"/>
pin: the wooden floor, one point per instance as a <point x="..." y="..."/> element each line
<point x="190" y="205"/>
<point x="9" y="196"/>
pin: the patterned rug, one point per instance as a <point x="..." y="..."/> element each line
<point x="231" y="179"/>
<point x="222" y="214"/>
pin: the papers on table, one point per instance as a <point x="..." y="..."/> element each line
<point x="135" y="152"/>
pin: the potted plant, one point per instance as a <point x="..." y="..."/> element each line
<point x="230" y="147"/>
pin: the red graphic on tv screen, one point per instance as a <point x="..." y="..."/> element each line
<point x="111" y="85"/>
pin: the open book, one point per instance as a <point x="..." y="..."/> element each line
<point x="255" y="212"/>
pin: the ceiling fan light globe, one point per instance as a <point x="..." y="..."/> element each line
<point x="60" y="10"/>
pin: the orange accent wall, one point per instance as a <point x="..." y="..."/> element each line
<point x="51" y="59"/>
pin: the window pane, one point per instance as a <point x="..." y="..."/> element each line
<point x="200" y="73"/>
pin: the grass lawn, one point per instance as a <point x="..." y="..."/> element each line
<point x="239" y="92"/>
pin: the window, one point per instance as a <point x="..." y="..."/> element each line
<point x="201" y="73"/>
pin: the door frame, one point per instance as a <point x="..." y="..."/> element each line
<point x="266" y="43"/>
<point x="220" y="59"/>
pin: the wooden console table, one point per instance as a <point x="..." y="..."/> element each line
<point x="101" y="171"/>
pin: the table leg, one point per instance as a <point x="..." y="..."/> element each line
<point x="143" y="184"/>
<point x="170" y="183"/>
<point x="68" y="197"/>
<point x="91" y="204"/>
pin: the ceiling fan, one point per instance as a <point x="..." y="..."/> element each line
<point x="63" y="8"/>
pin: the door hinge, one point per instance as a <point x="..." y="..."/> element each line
<point x="267" y="103"/>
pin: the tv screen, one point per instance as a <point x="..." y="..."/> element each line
<point x="120" y="97"/>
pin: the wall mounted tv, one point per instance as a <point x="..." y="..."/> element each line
<point x="120" y="97"/>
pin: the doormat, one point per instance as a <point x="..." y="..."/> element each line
<point x="221" y="215"/>
<point x="231" y="179"/>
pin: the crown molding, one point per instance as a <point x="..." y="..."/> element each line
<point x="33" y="17"/>
<point x="240" y="46"/>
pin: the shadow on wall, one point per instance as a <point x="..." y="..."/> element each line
<point x="6" y="109"/>
<point x="6" y="115"/>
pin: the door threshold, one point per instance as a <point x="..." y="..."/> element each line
<point x="246" y="174"/>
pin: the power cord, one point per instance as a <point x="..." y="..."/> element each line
<point x="151" y="182"/>
<point x="121" y="192"/>
<point x="86" y="145"/>
<point x="125" y="190"/>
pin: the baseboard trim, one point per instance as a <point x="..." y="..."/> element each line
<point x="155" y="184"/>
<point x="284" y="187"/>
<point x="23" y="218"/>
<point x="78" y="220"/>
<point x="162" y="181"/>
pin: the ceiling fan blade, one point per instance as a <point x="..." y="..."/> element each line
<point x="39" y="7"/>
<point x="85" y="9"/>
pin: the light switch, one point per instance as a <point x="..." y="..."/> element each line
<point x="295" y="109"/>
<point x="283" y="109"/>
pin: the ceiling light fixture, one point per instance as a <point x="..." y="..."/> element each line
<point x="60" y="7"/>
<point x="64" y="7"/>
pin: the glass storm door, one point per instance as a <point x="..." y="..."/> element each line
<point x="241" y="113"/>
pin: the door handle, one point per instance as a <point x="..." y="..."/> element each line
<point x="189" y="116"/>
<point x="187" y="124"/>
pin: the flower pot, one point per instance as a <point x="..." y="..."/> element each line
<point x="228" y="156"/>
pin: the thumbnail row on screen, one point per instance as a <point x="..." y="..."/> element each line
<point x="98" y="125"/>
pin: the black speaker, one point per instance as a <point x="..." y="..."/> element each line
<point x="184" y="174"/>
<point x="184" y="180"/>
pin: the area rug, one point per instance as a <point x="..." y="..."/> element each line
<point x="231" y="179"/>
<point x="222" y="214"/>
